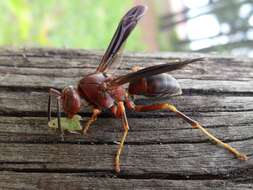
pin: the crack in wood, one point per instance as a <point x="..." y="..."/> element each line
<point x="126" y="175"/>
<point x="99" y="141"/>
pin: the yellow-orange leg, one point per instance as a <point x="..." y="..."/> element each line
<point x="193" y="123"/>
<point x="93" y="118"/>
<point x="121" y="112"/>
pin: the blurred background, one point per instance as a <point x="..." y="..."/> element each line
<point x="221" y="26"/>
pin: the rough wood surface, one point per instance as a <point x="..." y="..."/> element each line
<point x="161" y="152"/>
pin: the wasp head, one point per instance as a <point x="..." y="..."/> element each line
<point x="71" y="101"/>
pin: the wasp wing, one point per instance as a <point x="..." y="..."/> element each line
<point x="149" y="71"/>
<point x="125" y="27"/>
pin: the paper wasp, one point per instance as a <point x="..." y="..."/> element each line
<point x="104" y="91"/>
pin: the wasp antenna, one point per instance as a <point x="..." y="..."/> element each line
<point x="49" y="108"/>
<point x="59" y="118"/>
<point x="55" y="93"/>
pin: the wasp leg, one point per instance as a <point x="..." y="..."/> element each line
<point x="55" y="93"/>
<point x="58" y="95"/>
<point x="59" y="119"/>
<point x="93" y="118"/>
<point x="193" y="123"/>
<point x="49" y="107"/>
<point x="121" y="112"/>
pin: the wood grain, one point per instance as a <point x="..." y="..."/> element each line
<point x="161" y="152"/>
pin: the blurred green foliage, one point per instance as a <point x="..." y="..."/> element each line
<point x="72" y="24"/>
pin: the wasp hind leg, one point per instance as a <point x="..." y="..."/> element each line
<point x="193" y="123"/>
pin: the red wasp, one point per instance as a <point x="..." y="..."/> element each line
<point x="104" y="91"/>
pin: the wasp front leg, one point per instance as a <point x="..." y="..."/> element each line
<point x="58" y="95"/>
<point x="93" y="118"/>
<point x="193" y="123"/>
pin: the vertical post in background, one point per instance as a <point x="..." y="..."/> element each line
<point x="149" y="26"/>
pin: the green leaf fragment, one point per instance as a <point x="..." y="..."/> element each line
<point x="68" y="124"/>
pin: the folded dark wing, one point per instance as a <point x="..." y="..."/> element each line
<point x="149" y="71"/>
<point x="125" y="27"/>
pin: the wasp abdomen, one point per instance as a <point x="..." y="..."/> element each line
<point x="156" y="85"/>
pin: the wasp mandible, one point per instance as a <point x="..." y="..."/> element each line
<point x="104" y="91"/>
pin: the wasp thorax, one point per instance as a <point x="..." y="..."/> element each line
<point x="70" y="101"/>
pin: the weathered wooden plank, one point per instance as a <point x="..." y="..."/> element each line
<point x="76" y="181"/>
<point x="77" y="68"/>
<point x="35" y="101"/>
<point x="142" y="130"/>
<point x="161" y="150"/>
<point x="181" y="159"/>
<point x="42" y="82"/>
<point x="42" y="69"/>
